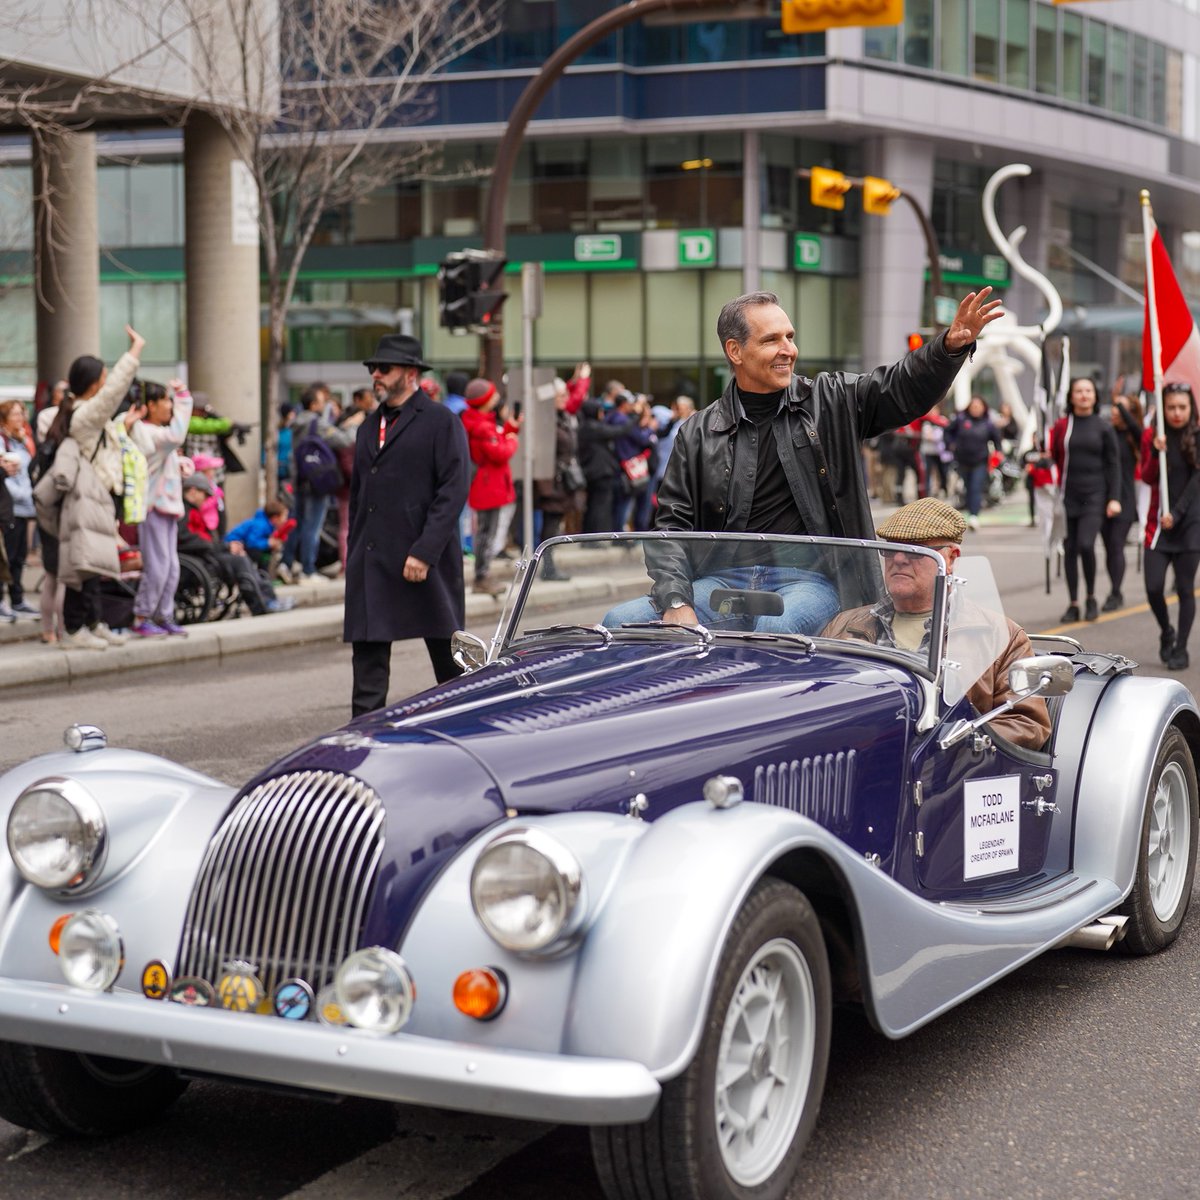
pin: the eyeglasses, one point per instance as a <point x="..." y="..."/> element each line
<point x="913" y="552"/>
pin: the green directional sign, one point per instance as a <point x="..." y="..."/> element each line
<point x="597" y="247"/>
<point x="697" y="247"/>
<point x="807" y="252"/>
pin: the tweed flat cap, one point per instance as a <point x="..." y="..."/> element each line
<point x="927" y="520"/>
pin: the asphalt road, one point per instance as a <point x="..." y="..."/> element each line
<point x="1076" y="1077"/>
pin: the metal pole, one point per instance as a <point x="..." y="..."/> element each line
<point x="528" y="274"/>
<point x="526" y="105"/>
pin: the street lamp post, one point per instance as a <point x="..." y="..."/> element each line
<point x="526" y="105"/>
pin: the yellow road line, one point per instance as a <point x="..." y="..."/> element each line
<point x="1133" y="610"/>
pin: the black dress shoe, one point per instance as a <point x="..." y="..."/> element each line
<point x="1178" y="661"/>
<point x="1114" y="601"/>
<point x="1090" y="610"/>
<point x="1071" y="615"/>
<point x="1166" y="644"/>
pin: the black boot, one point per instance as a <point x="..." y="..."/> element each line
<point x="1090" y="611"/>
<point x="1071" y="615"/>
<point x="1115" y="600"/>
<point x="1178" y="660"/>
<point x="1166" y="644"/>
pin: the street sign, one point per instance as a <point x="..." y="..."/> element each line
<point x="540" y="419"/>
<point x="598" y="247"/>
<point x="697" y="248"/>
<point x="806" y="252"/>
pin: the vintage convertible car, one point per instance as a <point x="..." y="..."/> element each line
<point x="641" y="922"/>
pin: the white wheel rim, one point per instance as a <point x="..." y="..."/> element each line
<point x="765" y="1062"/>
<point x="1169" y="841"/>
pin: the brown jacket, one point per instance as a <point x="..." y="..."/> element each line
<point x="1027" y="725"/>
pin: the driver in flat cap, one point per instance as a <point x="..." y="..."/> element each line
<point x="902" y="619"/>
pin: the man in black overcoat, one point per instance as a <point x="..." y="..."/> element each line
<point x="404" y="574"/>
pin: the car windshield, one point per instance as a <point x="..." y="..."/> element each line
<point x="864" y="596"/>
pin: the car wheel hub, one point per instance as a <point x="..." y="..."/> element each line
<point x="765" y="1062"/>
<point x="1168" y="842"/>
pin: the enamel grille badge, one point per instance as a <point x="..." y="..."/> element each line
<point x="156" y="980"/>
<point x="293" y="1000"/>
<point x="192" y="991"/>
<point x="239" y="991"/>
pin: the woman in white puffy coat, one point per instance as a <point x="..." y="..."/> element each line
<point x="95" y="395"/>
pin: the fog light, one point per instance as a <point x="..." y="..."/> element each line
<point x="481" y="993"/>
<point x="375" y="990"/>
<point x="90" y="950"/>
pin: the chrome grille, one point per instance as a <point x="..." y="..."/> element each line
<point x="285" y="880"/>
<point x="820" y="787"/>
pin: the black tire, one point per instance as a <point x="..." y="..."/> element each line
<point x="61" y="1093"/>
<point x="1162" y="887"/>
<point x="677" y="1153"/>
<point x="195" y="592"/>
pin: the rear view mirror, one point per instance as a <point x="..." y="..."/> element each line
<point x="729" y="603"/>
<point x="1045" y="674"/>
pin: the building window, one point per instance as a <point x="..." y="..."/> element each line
<point x="1097" y="63"/>
<point x="1118" y="70"/>
<point x="918" y="33"/>
<point x="952" y="37"/>
<point x="1139" y="77"/>
<point x="1046" y="50"/>
<point x="1016" y="44"/>
<point x="1072" y="57"/>
<point x="986" y="43"/>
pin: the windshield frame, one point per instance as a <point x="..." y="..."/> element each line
<point x="505" y="639"/>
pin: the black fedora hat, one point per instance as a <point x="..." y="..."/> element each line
<point x="398" y="350"/>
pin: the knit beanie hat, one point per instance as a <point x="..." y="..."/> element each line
<point x="479" y="393"/>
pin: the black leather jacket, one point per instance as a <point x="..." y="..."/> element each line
<point x="820" y="427"/>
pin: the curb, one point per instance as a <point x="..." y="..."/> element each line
<point x="320" y="620"/>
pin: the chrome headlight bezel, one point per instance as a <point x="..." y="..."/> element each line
<point x="92" y="846"/>
<point x="96" y="933"/>
<point x="375" y="990"/>
<point x="563" y="874"/>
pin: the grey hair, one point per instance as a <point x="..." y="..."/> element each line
<point x="732" y="323"/>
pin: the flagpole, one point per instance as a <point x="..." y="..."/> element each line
<point x="1155" y="351"/>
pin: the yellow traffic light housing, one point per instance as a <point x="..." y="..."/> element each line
<point x="812" y="16"/>
<point x="878" y="195"/>
<point x="828" y="188"/>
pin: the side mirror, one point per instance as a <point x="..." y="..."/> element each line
<point x="1044" y="674"/>
<point x="469" y="651"/>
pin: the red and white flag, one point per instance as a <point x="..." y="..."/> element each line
<point x="1178" y="336"/>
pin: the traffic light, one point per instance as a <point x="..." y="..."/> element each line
<point x="827" y="189"/>
<point x="916" y="341"/>
<point x="469" y="295"/>
<point x="812" y="16"/>
<point x="878" y="195"/>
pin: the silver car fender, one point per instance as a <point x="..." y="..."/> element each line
<point x="1130" y="721"/>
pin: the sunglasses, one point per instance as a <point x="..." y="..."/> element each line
<point x="913" y="552"/>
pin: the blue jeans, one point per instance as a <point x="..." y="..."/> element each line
<point x="310" y="516"/>
<point x="810" y="601"/>
<point x="974" y="477"/>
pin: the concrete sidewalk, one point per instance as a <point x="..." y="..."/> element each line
<point x="317" y="617"/>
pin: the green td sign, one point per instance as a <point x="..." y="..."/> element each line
<point x="806" y="252"/>
<point x="697" y="248"/>
<point x="598" y="247"/>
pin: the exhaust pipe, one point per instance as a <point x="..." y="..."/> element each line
<point x="1103" y="934"/>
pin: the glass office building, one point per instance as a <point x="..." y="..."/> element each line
<point x="659" y="178"/>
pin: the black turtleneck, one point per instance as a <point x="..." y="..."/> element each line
<point x="773" y="508"/>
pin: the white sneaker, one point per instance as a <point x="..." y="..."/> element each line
<point x="286" y="574"/>
<point x="110" y="636"/>
<point x="315" y="577"/>
<point x="6" y="614"/>
<point x="973" y="523"/>
<point x="82" y="639"/>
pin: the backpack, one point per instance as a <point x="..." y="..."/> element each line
<point x="317" y="464"/>
<point x="43" y="460"/>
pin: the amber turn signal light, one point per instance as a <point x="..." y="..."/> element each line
<point x="56" y="931"/>
<point x="480" y="993"/>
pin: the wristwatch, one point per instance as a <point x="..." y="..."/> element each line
<point x="676" y="602"/>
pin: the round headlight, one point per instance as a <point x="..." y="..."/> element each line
<point x="90" y="950"/>
<point x="56" y="835"/>
<point x="525" y="888"/>
<point x="375" y="990"/>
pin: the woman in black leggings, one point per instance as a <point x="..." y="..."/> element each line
<point x="1173" y="537"/>
<point x="1127" y="425"/>
<point x="1085" y="450"/>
